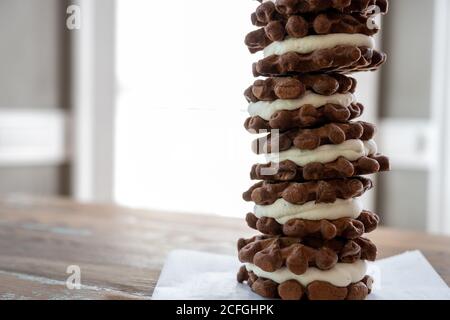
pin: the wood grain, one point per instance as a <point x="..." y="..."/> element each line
<point x="121" y="251"/>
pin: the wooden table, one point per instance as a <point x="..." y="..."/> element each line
<point x="121" y="251"/>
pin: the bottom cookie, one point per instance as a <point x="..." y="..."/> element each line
<point x="293" y="290"/>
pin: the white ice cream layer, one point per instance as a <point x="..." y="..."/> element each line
<point x="351" y="150"/>
<point x="283" y="211"/>
<point x="266" y="109"/>
<point x="317" y="42"/>
<point x="341" y="275"/>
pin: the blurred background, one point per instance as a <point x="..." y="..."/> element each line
<point x="142" y="106"/>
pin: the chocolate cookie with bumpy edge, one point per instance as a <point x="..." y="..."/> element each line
<point x="341" y="168"/>
<point x="306" y="116"/>
<point x="343" y="59"/>
<point x="347" y="228"/>
<point x="300" y="26"/>
<point x="276" y="10"/>
<point x="293" y="290"/>
<point x="322" y="191"/>
<point x="310" y="139"/>
<point x="272" y="253"/>
<point x="286" y="88"/>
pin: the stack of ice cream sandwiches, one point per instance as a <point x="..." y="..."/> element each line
<point x="307" y="205"/>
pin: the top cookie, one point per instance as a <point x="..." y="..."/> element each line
<point x="291" y="7"/>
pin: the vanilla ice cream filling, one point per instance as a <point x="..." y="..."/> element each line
<point x="266" y="109"/>
<point x="351" y="150"/>
<point x="283" y="211"/>
<point x="341" y="275"/>
<point x="317" y="42"/>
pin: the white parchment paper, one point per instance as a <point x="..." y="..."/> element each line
<point x="191" y="275"/>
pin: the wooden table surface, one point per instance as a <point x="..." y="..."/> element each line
<point x="121" y="251"/>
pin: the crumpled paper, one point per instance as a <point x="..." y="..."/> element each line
<point x="193" y="275"/>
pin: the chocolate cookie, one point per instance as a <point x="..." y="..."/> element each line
<point x="266" y="193"/>
<point x="272" y="253"/>
<point x="275" y="10"/>
<point x="326" y="229"/>
<point x="286" y="88"/>
<point x="343" y="59"/>
<point x="293" y="290"/>
<point x="305" y="116"/>
<point x="341" y="168"/>
<point x="310" y="139"/>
